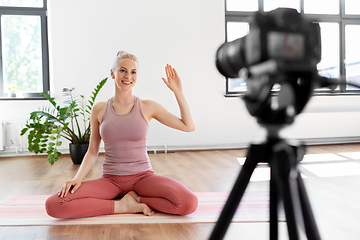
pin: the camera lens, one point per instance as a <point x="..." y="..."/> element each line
<point x="229" y="58"/>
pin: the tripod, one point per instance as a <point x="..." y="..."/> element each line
<point x="285" y="184"/>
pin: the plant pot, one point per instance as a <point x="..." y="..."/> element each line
<point x="77" y="152"/>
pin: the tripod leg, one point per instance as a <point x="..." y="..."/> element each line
<point x="234" y="199"/>
<point x="309" y="220"/>
<point x="274" y="202"/>
<point x="284" y="165"/>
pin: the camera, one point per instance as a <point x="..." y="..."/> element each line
<point x="282" y="50"/>
<point x="282" y="34"/>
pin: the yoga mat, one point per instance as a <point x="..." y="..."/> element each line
<point x="29" y="210"/>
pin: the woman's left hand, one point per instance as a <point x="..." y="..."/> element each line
<point x="173" y="80"/>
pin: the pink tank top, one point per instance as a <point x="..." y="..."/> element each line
<point x="125" y="138"/>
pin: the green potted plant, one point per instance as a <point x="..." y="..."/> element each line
<point x="12" y="90"/>
<point x="72" y="122"/>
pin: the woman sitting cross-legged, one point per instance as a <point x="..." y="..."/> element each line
<point x="128" y="183"/>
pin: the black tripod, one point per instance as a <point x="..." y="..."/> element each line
<point x="285" y="184"/>
<point x="297" y="83"/>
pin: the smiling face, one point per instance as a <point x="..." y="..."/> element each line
<point x="125" y="74"/>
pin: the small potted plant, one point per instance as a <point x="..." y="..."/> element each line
<point x="12" y="90"/>
<point x="72" y="122"/>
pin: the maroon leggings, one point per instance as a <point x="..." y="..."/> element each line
<point x="96" y="197"/>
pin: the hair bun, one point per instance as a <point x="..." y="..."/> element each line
<point x="123" y="54"/>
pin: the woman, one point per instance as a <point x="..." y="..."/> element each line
<point x="128" y="184"/>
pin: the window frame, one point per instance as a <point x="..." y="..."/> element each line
<point x="342" y="19"/>
<point x="29" y="11"/>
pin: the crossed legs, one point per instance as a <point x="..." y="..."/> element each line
<point x="111" y="194"/>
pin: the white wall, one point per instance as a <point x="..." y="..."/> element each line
<point x="85" y="36"/>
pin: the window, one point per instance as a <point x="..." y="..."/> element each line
<point x="273" y="4"/>
<point x="329" y="64"/>
<point x="24" y="68"/>
<point x="339" y="23"/>
<point x="352" y="58"/>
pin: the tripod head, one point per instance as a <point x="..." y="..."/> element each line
<point x="294" y="83"/>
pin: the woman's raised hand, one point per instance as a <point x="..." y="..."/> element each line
<point x="173" y="80"/>
<point x="70" y="186"/>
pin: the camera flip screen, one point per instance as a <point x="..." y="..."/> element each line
<point x="286" y="45"/>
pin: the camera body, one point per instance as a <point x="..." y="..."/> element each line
<point x="282" y="48"/>
<point x="282" y="34"/>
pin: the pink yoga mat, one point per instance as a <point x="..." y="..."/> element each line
<point x="29" y="210"/>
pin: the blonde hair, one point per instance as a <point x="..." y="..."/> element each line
<point x="121" y="55"/>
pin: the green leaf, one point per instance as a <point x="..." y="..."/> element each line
<point x="58" y="143"/>
<point x="52" y="138"/>
<point x="51" y="100"/>
<point x="51" y="159"/>
<point x="23" y="131"/>
<point x="51" y="144"/>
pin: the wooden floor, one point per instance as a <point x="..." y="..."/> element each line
<point x="335" y="199"/>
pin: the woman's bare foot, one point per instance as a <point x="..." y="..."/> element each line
<point x="134" y="194"/>
<point x="128" y="204"/>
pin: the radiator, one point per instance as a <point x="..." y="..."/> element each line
<point x="10" y="136"/>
